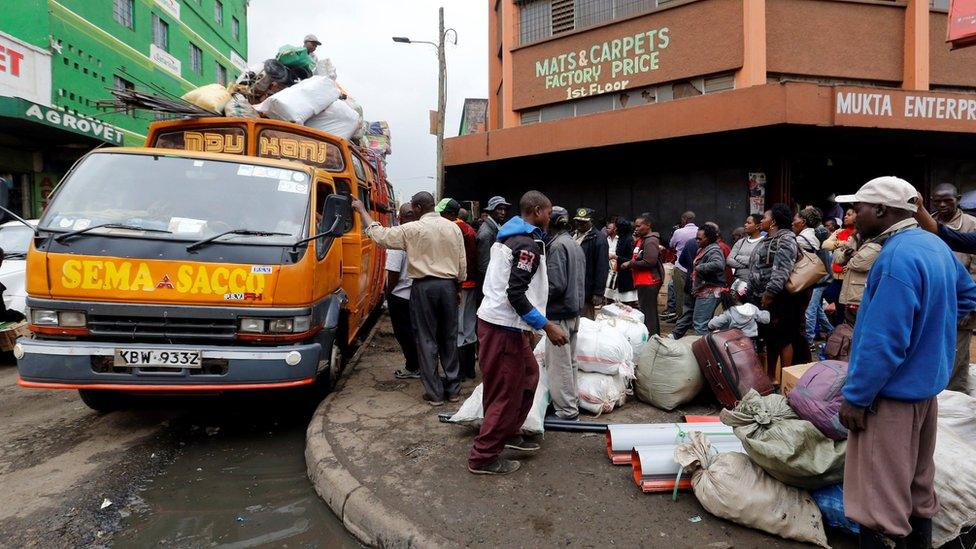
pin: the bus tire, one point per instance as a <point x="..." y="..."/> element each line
<point x="328" y="376"/>
<point x="102" y="401"/>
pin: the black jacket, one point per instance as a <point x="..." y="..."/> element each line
<point x="597" y="254"/>
<point x="625" y="252"/>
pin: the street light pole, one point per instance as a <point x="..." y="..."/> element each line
<point x="441" y="92"/>
<point x="441" y="104"/>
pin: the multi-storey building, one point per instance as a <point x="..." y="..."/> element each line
<point x="59" y="57"/>
<point x="717" y="106"/>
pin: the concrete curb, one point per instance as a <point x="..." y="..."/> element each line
<point x="372" y="522"/>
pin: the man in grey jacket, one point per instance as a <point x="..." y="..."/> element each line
<point x="488" y="232"/>
<point x="566" y="268"/>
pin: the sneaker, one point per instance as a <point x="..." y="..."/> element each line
<point x="500" y="467"/>
<point x="522" y="445"/>
<point x="433" y="401"/>
<point x="554" y="417"/>
<point x="406" y="374"/>
<point x="454" y="398"/>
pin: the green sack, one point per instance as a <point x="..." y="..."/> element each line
<point x="296" y="57"/>
<point x="790" y="449"/>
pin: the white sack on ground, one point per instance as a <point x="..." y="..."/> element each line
<point x="635" y="332"/>
<point x="957" y="411"/>
<point x="302" y="101"/>
<point x="667" y="373"/>
<point x="472" y="410"/>
<point x="600" y="393"/>
<point x="732" y="487"/>
<point x="955" y="485"/>
<point x="602" y="349"/>
<point x="339" y="119"/>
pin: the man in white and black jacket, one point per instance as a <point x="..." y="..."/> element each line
<point x="515" y="293"/>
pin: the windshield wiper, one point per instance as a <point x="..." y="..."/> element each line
<point x="245" y="232"/>
<point x="15" y="255"/>
<point x="65" y="236"/>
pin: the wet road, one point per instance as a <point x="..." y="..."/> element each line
<point x="223" y="471"/>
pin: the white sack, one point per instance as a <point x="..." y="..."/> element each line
<point x="619" y="310"/>
<point x="955" y="485"/>
<point x="957" y="412"/>
<point x="635" y="332"/>
<point x="600" y="393"/>
<point x="602" y="349"/>
<point x="211" y="97"/>
<point x="731" y="486"/>
<point x="472" y="410"/>
<point x="339" y="119"/>
<point x="667" y="373"/>
<point x="301" y="101"/>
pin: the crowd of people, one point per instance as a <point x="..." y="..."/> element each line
<point x="890" y="279"/>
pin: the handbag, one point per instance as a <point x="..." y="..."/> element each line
<point x="808" y="271"/>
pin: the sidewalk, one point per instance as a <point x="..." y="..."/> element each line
<point x="398" y="477"/>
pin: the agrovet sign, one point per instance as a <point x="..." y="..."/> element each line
<point x="689" y="40"/>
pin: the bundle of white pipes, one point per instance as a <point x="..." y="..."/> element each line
<point x="622" y="438"/>
<point x="655" y="470"/>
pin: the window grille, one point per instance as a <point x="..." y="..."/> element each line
<point x="160" y="32"/>
<point x="122" y="12"/>
<point x="535" y="21"/>
<point x="196" y="59"/>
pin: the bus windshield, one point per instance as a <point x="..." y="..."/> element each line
<point x="190" y="199"/>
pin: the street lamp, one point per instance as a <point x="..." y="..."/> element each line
<point x="441" y="92"/>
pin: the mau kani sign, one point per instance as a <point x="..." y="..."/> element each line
<point x="872" y="107"/>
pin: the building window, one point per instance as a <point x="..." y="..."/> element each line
<point x="196" y="59"/>
<point x="160" y="32"/>
<point x="535" y="21"/>
<point x="218" y="12"/>
<point x="235" y="28"/>
<point x="221" y="74"/>
<point x="122" y="84"/>
<point x="593" y="12"/>
<point x="122" y="11"/>
<point x="940" y="4"/>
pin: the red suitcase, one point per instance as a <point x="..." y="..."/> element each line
<point x="729" y="362"/>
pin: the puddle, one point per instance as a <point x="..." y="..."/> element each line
<point x="239" y="481"/>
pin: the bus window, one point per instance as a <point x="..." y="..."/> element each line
<point x="357" y="165"/>
<point x="342" y="187"/>
<point x="323" y="191"/>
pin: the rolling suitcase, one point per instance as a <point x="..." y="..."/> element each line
<point x="729" y="363"/>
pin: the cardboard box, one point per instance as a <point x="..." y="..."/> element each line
<point x="792" y="375"/>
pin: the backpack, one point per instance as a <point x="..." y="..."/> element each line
<point x="817" y="397"/>
<point x="839" y="343"/>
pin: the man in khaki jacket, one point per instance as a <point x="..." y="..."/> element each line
<point x="945" y="199"/>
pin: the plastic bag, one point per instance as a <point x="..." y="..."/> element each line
<point x="602" y="349"/>
<point x="600" y="393"/>
<point x="296" y="57"/>
<point x="472" y="410"/>
<point x="339" y="119"/>
<point x="635" y="332"/>
<point x="790" y="449"/>
<point x="239" y="107"/>
<point x="212" y="97"/>
<point x="730" y="486"/>
<point x="830" y="500"/>
<point x="955" y="485"/>
<point x="667" y="373"/>
<point x="302" y="101"/>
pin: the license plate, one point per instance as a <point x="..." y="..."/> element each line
<point x="157" y="358"/>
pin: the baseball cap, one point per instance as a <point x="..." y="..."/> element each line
<point x="557" y="212"/>
<point x="584" y="214"/>
<point x="495" y="202"/>
<point x="888" y="191"/>
<point x="448" y="205"/>
<point x="312" y="38"/>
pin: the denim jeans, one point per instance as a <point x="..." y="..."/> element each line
<point x="704" y="311"/>
<point x="671" y="302"/>
<point x="816" y="317"/>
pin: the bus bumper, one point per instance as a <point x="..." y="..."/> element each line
<point x="48" y="364"/>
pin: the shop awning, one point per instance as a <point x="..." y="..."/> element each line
<point x="15" y="111"/>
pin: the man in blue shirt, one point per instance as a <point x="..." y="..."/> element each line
<point x="901" y="356"/>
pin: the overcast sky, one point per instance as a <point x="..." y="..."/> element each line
<point x="393" y="82"/>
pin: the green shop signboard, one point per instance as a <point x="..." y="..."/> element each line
<point x="15" y="107"/>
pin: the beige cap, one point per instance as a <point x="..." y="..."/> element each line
<point x="312" y="38"/>
<point x="889" y="191"/>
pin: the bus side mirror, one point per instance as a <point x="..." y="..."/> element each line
<point x="337" y="215"/>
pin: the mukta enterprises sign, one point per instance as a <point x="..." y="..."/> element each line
<point x="693" y="39"/>
<point x="904" y="109"/>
